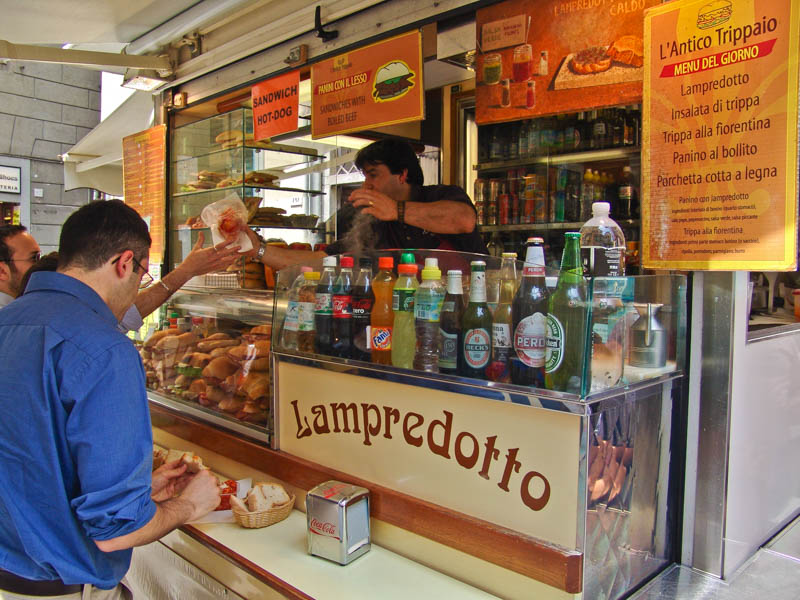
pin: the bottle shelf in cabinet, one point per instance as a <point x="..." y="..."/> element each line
<point x="548" y="226"/>
<point x="556" y="159"/>
<point x="271" y="188"/>
<point x="260" y="147"/>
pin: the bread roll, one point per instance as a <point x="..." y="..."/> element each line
<point x="194" y="464"/>
<point x="231" y="404"/>
<point x="209" y="345"/>
<point x="157" y="335"/>
<point x="264" y="496"/>
<point x="218" y="369"/>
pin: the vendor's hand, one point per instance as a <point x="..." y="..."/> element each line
<point x="374" y="203"/>
<point x="254" y="240"/>
<point x="168" y="480"/>
<point x="202" y="492"/>
<point x="207" y="260"/>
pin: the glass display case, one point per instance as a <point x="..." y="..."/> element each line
<point x="211" y="359"/>
<point x="217" y="158"/>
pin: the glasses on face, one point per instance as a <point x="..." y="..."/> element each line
<point x="32" y="258"/>
<point x="146" y="280"/>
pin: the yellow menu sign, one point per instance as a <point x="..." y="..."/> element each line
<point x="719" y="161"/>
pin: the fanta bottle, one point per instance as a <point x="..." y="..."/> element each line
<point x="382" y="318"/>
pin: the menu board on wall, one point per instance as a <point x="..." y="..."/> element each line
<point x="538" y="57"/>
<point x="143" y="172"/>
<point x="719" y="163"/>
<point x="373" y="86"/>
<point x="275" y="105"/>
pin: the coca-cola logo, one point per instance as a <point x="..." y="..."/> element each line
<point x="325" y="528"/>
<point x="341" y="307"/>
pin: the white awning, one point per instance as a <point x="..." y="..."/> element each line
<point x="96" y="160"/>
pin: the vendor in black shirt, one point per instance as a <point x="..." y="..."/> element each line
<point x="394" y="211"/>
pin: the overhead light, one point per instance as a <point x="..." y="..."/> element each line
<point x="145" y="80"/>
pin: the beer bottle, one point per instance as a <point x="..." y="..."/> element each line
<point x="477" y="325"/>
<point x="529" y="317"/>
<point x="450" y="358"/>
<point x="499" y="367"/>
<point x="566" y="323"/>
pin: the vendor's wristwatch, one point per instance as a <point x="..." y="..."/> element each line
<point x="261" y="250"/>
<point x="401" y="211"/>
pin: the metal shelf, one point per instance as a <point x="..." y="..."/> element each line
<point x="557" y="159"/>
<point x="548" y="226"/>
<point x="252" y="187"/>
<point x="261" y="147"/>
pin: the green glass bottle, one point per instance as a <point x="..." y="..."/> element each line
<point x="476" y="345"/>
<point x="566" y="323"/>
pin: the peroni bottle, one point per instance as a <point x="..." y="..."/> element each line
<point x="529" y="317"/>
<point x="476" y="325"/>
<point x="566" y="323"/>
<point x="342" y="339"/>
<point x="499" y="366"/>
<point x="450" y="357"/>
<point x="363" y="300"/>
<point x="403" y="335"/>
<point x="305" y="312"/>
<point x="323" y="309"/>
<point x="427" y="312"/>
<point x="382" y="317"/>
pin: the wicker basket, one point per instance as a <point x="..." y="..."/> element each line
<point x="264" y="518"/>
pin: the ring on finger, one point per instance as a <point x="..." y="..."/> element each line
<point x="371" y="203"/>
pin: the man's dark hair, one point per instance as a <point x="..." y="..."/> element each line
<point x="8" y="231"/>
<point x="395" y="154"/>
<point x="49" y="262"/>
<point x="99" y="230"/>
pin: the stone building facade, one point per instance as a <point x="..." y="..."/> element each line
<point x="44" y="110"/>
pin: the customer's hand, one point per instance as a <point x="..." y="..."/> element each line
<point x="169" y="479"/>
<point x="207" y="260"/>
<point x="202" y="492"/>
<point x="255" y="240"/>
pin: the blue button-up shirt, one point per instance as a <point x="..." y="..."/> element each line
<point x="75" y="438"/>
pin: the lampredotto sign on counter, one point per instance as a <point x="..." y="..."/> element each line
<point x="719" y="159"/>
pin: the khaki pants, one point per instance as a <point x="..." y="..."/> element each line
<point x="89" y="593"/>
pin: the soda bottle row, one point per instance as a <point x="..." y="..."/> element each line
<point x="587" y="130"/>
<point x="534" y="336"/>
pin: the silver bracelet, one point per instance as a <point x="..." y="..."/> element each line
<point x="261" y="250"/>
<point x="164" y="285"/>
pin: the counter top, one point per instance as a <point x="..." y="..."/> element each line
<point x="277" y="554"/>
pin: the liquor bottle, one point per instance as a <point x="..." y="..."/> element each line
<point x="476" y="325"/>
<point x="382" y="317"/>
<point x="617" y="128"/>
<point x="513" y="141"/>
<point x="566" y="323"/>
<point x="403" y="333"/>
<point x="499" y="366"/>
<point x="495" y="146"/>
<point x="529" y="319"/>
<point x="427" y="314"/>
<point x="323" y="309"/>
<point x="450" y="358"/>
<point x="342" y="339"/>
<point x="534" y="144"/>
<point x="363" y="300"/>
<point x="522" y="140"/>
<point x="599" y="130"/>
<point x="484" y="143"/>
<point x="627" y="196"/>
<point x="587" y="195"/>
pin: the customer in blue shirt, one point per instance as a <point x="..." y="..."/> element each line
<point x="76" y="491"/>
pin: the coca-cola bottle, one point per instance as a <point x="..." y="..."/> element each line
<point x="363" y="299"/>
<point x="529" y="317"/>
<point x="342" y="341"/>
<point x="323" y="309"/>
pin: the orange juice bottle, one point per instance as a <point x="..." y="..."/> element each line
<point x="382" y="318"/>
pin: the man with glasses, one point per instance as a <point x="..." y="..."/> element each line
<point x="76" y="489"/>
<point x="18" y="253"/>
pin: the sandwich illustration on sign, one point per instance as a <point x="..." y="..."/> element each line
<point x="392" y="81"/>
<point x="713" y="14"/>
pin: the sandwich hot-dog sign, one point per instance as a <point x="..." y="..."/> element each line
<point x="275" y="105"/>
<point x="377" y="85"/>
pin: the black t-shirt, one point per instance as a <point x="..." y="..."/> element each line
<point x="392" y="234"/>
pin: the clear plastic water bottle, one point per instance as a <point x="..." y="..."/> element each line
<point x="403" y="334"/>
<point x="427" y="312"/>
<point x="291" y="320"/>
<point x="602" y="244"/>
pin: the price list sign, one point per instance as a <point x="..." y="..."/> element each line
<point x="720" y="123"/>
<point x="143" y="173"/>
